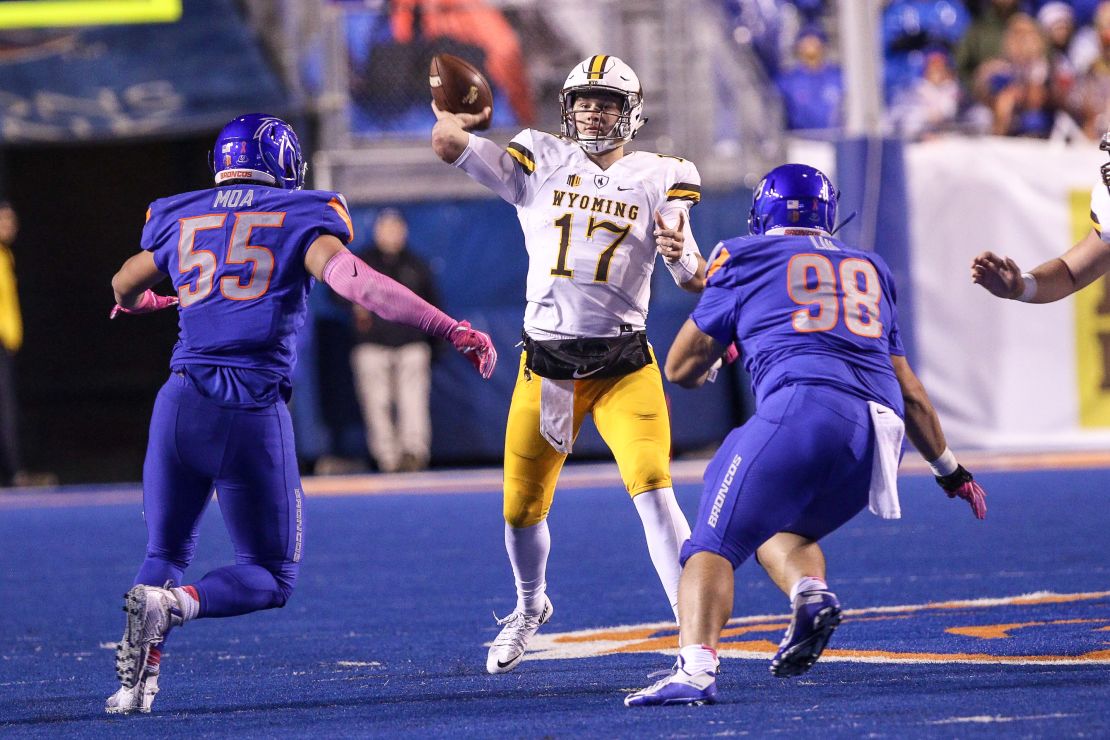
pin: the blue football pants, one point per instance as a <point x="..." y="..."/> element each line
<point x="802" y="464"/>
<point x="248" y="456"/>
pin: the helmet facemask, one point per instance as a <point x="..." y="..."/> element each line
<point x="623" y="128"/>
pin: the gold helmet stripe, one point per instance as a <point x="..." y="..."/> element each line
<point x="597" y="66"/>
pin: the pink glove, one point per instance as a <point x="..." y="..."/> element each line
<point x="475" y="346"/>
<point x="149" y="302"/>
<point x="731" y="354"/>
<point x="960" y="483"/>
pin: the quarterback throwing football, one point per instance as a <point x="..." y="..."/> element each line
<point x="594" y="217"/>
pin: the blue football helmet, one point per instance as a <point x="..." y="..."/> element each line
<point x="259" y="148"/>
<point x="794" y="195"/>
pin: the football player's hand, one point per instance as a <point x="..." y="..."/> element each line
<point x="669" y="241"/>
<point x="475" y="346"/>
<point x="960" y="483"/>
<point x="1000" y="275"/>
<point x="465" y="121"/>
<point x="149" y="302"/>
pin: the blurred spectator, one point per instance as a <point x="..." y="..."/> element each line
<point x="813" y="90"/>
<point x="1014" y="85"/>
<point x="392" y="362"/>
<point x="1057" y="22"/>
<point x="11" y="339"/>
<point x="478" y="24"/>
<point x="931" y="104"/>
<point x="389" y="49"/>
<point x="983" y="39"/>
<point x="1092" y="91"/>
<point x="811" y="10"/>
<point x="770" y="26"/>
<point x="1066" y="37"/>
<point x="911" y="28"/>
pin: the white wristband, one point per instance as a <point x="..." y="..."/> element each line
<point x="684" y="268"/>
<point x="1030" y="288"/>
<point x="945" y="464"/>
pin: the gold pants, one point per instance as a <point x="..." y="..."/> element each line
<point x="629" y="411"/>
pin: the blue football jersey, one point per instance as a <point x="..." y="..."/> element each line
<point x="805" y="310"/>
<point x="235" y="254"/>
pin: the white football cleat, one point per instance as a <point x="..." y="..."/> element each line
<point x="151" y="613"/>
<point x="679" y="687"/>
<point x="138" y="698"/>
<point x="508" y="649"/>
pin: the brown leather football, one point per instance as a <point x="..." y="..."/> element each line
<point x="458" y="86"/>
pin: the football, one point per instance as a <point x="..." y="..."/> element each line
<point x="458" y="87"/>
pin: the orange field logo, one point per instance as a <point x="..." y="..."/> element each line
<point x="1014" y="629"/>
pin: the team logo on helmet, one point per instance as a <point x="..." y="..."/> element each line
<point x="259" y="148"/>
<point x="794" y="195"/>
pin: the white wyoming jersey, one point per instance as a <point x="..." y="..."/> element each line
<point x="1100" y="210"/>
<point x="588" y="231"/>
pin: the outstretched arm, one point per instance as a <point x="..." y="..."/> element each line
<point x="923" y="429"/>
<point x="449" y="135"/>
<point x="1085" y="262"/>
<point x="691" y="356"/>
<point x="132" y="285"/>
<point x="328" y="260"/>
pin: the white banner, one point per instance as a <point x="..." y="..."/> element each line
<point x="1006" y="375"/>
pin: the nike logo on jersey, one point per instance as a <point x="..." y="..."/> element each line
<point x="623" y="189"/>
<point x="579" y="374"/>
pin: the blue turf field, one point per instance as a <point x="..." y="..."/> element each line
<point x="384" y="636"/>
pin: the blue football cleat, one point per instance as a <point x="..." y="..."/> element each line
<point x="816" y="616"/>
<point x="679" y="687"/>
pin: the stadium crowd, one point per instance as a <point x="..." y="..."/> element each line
<point x="1034" y="68"/>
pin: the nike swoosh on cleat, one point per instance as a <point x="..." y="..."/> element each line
<point x="354" y="270"/>
<point x="503" y="665"/>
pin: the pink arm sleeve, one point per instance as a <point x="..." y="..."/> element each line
<point x="359" y="283"/>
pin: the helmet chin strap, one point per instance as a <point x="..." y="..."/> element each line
<point x="843" y="223"/>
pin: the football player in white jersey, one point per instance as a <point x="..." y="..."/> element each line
<point x="594" y="217"/>
<point x="1085" y="262"/>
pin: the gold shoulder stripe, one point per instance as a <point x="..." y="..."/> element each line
<point x="523" y="157"/>
<point x="687" y="186"/>
<point x="718" y="263"/>
<point x="148" y="214"/>
<point x="691" y="195"/>
<point x="1094" y="218"/>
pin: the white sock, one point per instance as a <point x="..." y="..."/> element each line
<point x="528" y="549"/>
<point x="665" y="529"/>
<point x="188" y="603"/>
<point x="697" y="658"/>
<point x="807" y="583"/>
